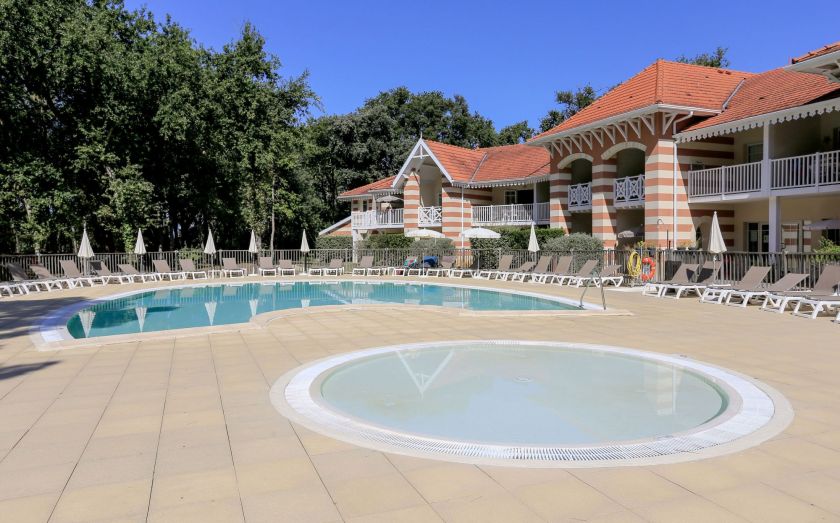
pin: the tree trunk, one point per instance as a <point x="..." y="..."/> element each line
<point x="271" y="238"/>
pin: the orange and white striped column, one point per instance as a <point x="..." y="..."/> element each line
<point x="603" y="212"/>
<point x="411" y="201"/>
<point x="660" y="192"/>
<point x="558" y="183"/>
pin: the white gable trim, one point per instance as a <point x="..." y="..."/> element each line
<point x="617" y="148"/>
<point x="420" y="148"/>
<point x="785" y="115"/>
<point x="567" y="160"/>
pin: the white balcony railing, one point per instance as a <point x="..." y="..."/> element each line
<point x="629" y="191"/>
<point x="810" y="170"/>
<point x="377" y="219"/>
<point x="730" y="179"/>
<point x="429" y="216"/>
<point x="580" y="197"/>
<point x="516" y="214"/>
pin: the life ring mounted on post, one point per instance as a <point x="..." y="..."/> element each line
<point x="648" y="269"/>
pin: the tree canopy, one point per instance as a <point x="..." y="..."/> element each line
<point x="716" y="58"/>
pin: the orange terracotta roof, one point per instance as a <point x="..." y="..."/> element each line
<point x="830" y="48"/>
<point x="491" y="164"/>
<point x="772" y="91"/>
<point x="662" y="82"/>
<point x="384" y="183"/>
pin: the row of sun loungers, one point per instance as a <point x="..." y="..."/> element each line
<point x="773" y="297"/>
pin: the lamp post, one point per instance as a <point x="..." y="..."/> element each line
<point x="660" y="222"/>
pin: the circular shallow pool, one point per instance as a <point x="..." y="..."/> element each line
<point x="202" y="305"/>
<point x="525" y="402"/>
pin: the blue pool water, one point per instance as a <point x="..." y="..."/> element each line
<point x="205" y="305"/>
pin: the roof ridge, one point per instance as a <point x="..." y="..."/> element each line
<point x="477" y="167"/>
<point x="660" y="82"/>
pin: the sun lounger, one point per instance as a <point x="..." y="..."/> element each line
<point x="164" y="270"/>
<point x="101" y="269"/>
<point x="23" y="282"/>
<point x="608" y="274"/>
<point x="49" y="279"/>
<point x="752" y="281"/>
<point x="561" y="268"/>
<point x="10" y="288"/>
<point x="682" y="276"/>
<point x="503" y="266"/>
<point x="71" y="271"/>
<point x="403" y="269"/>
<point x="541" y="267"/>
<point x="366" y="268"/>
<point x="231" y="269"/>
<point x="265" y="266"/>
<point x="189" y="269"/>
<point x="335" y="267"/>
<point x="513" y="273"/>
<point x="827" y="284"/>
<point x="705" y="277"/>
<point x="130" y="270"/>
<point x="446" y="264"/>
<point x="285" y="267"/>
<point x="585" y="271"/>
<point x="742" y="298"/>
<point x="812" y="306"/>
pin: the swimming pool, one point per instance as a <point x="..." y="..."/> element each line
<point x="515" y="402"/>
<point x="206" y="305"/>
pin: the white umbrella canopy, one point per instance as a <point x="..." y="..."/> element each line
<point x="210" y="246"/>
<point x="822" y="225"/>
<point x="140" y="245"/>
<point x="424" y="233"/>
<point x="253" y="248"/>
<point x="631" y="233"/>
<point x="85" y="250"/>
<point x="389" y="198"/>
<point x="304" y="245"/>
<point x="716" y="243"/>
<point x="533" y="244"/>
<point x="480" y="232"/>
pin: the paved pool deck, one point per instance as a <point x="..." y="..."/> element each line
<point x="181" y="428"/>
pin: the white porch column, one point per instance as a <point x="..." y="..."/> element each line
<point x="767" y="149"/>
<point x="774" y="224"/>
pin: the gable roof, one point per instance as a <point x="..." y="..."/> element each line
<point x="830" y="48"/>
<point x="382" y="185"/>
<point x="491" y="164"/>
<point x="661" y="83"/>
<point x="769" y="92"/>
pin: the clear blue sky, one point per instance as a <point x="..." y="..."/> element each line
<point x="506" y="58"/>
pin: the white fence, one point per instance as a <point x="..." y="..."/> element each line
<point x="516" y="214"/>
<point x="629" y="190"/>
<point x="580" y="196"/>
<point x="429" y="216"/>
<point x="377" y="219"/>
<point x="806" y="171"/>
<point x="730" y="179"/>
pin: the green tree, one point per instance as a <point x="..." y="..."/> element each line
<point x="571" y="102"/>
<point x="518" y="132"/>
<point x="716" y="58"/>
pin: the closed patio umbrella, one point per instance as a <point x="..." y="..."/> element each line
<point x="140" y="248"/>
<point x="85" y="251"/>
<point x="253" y="246"/>
<point x="304" y="248"/>
<point x="533" y="244"/>
<point x="210" y="248"/>
<point x="716" y="243"/>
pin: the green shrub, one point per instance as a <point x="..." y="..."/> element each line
<point x="827" y="247"/>
<point x="386" y="241"/>
<point x="431" y="246"/>
<point x="516" y="238"/>
<point x="577" y="242"/>
<point x="334" y="242"/>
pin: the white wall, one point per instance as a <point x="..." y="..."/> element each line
<point x="430" y="186"/>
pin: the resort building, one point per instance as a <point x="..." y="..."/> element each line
<point x="651" y="160"/>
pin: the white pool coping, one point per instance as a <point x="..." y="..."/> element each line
<point x="52" y="329"/>
<point x="756" y="412"/>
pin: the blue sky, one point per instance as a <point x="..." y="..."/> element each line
<point x="506" y="58"/>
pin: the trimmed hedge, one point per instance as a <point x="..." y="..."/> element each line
<point x="334" y="242"/>
<point x="578" y="242"/>
<point x="516" y="238"/>
<point x="386" y="241"/>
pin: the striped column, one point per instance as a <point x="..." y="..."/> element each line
<point x="452" y="210"/>
<point x="603" y="212"/>
<point x="411" y="201"/>
<point x="659" y="198"/>
<point x="559" y="200"/>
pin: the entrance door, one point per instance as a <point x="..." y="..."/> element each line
<point x="758" y="237"/>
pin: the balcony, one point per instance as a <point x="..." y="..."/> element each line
<point x="580" y="197"/>
<point x="429" y="216"/>
<point x="809" y="173"/>
<point x="629" y="192"/>
<point x="517" y="214"/>
<point x="390" y="219"/>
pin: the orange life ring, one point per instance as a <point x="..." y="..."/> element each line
<point x="648" y="269"/>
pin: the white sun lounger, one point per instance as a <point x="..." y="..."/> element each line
<point x="827" y="284"/>
<point x="188" y="266"/>
<point x="751" y="282"/>
<point x="742" y="298"/>
<point x="682" y="276"/>
<point x="585" y="271"/>
<point x="162" y="268"/>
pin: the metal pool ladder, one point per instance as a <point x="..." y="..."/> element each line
<point x="595" y="275"/>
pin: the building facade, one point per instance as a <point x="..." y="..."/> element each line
<point x="651" y="160"/>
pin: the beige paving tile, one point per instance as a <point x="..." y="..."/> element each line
<point x="490" y="508"/>
<point x="374" y="494"/>
<point x="631" y="486"/>
<point x="689" y="509"/>
<point x="335" y="468"/>
<point x="197" y="487"/>
<point x="820" y="489"/>
<point x="33" y="481"/>
<point x="766" y="504"/>
<point x="282" y="474"/>
<point x="227" y="510"/>
<point x="103" y="502"/>
<point x="566" y="499"/>
<point x="449" y="481"/>
<point x="419" y="514"/>
<point x="31" y="509"/>
<point x="121" y="469"/>
<point x="307" y="504"/>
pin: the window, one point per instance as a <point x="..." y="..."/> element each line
<point x="697" y="166"/>
<point x="510" y="197"/>
<point x="833" y="235"/>
<point x="835" y="142"/>
<point x="364" y="205"/>
<point x="755" y="152"/>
